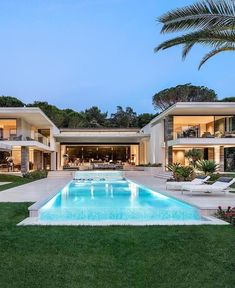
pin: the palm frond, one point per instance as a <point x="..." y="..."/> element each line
<point x="203" y="15"/>
<point x="186" y="49"/>
<point x="205" y="37"/>
<point x="213" y="53"/>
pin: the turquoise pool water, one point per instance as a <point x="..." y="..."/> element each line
<point x="115" y="201"/>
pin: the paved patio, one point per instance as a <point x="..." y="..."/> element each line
<point x="34" y="191"/>
<point x="205" y="201"/>
<point x="41" y="189"/>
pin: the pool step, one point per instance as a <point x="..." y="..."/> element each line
<point x="60" y="174"/>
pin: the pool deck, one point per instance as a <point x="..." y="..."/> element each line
<point x="33" y="191"/>
<point x="203" y="201"/>
<point x="41" y="190"/>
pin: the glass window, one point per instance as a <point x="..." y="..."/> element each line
<point x="7" y="129"/>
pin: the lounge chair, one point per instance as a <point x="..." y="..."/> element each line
<point x="199" y="180"/>
<point x="221" y="185"/>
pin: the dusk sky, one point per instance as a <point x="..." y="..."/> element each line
<point x="80" y="53"/>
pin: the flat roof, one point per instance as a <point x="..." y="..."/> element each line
<point x="99" y="129"/>
<point x="196" y="108"/>
<point x="32" y="115"/>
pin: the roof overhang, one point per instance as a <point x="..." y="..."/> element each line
<point x="197" y="108"/>
<point x="5" y="147"/>
<point x="32" y="115"/>
<point x="115" y="139"/>
<point x="196" y="142"/>
<point x="32" y="144"/>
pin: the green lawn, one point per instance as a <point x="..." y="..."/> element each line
<point x="15" y="181"/>
<point x="113" y="256"/>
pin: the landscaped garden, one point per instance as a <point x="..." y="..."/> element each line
<point x="18" y="180"/>
<point x="160" y="256"/>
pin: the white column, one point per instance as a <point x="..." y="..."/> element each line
<point x="53" y="161"/>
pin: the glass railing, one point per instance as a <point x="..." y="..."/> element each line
<point x="42" y="139"/>
<point x="194" y="133"/>
<point x="37" y="137"/>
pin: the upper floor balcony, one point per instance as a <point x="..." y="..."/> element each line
<point x="203" y="127"/>
<point x="10" y="131"/>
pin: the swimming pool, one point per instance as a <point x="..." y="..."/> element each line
<point x="114" y="202"/>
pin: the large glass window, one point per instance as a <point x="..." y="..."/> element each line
<point x="204" y="126"/>
<point x="229" y="159"/>
<point x="98" y="153"/>
<point x="193" y="126"/>
<point x="7" y="129"/>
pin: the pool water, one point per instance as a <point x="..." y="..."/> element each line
<point x="115" y="201"/>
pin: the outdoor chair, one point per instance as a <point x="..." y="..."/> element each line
<point x="221" y="185"/>
<point x="201" y="179"/>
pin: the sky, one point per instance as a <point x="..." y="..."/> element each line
<point x="82" y="53"/>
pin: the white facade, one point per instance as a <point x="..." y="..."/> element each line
<point x="206" y="126"/>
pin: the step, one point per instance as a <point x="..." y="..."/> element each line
<point x="59" y="174"/>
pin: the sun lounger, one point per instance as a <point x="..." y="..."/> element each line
<point x="179" y="185"/>
<point x="221" y="185"/>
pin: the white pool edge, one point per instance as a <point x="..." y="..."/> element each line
<point x="34" y="213"/>
<point x="35" y="221"/>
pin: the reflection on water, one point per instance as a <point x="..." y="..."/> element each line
<point x="119" y="200"/>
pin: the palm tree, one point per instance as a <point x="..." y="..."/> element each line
<point x="210" y="23"/>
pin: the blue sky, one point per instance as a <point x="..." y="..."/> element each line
<point x="80" y="53"/>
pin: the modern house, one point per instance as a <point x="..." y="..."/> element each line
<point x="28" y="135"/>
<point x="29" y="140"/>
<point x="206" y="126"/>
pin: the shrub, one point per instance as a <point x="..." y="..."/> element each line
<point x="185" y="173"/>
<point x="173" y="168"/>
<point x="36" y="175"/>
<point x="227" y="215"/>
<point x="194" y="155"/>
<point x="150" y="165"/>
<point x="207" y="166"/>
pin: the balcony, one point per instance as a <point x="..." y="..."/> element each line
<point x="37" y="137"/>
<point x="195" y="132"/>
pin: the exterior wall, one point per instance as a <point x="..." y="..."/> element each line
<point x="155" y="150"/>
<point x="23" y="128"/>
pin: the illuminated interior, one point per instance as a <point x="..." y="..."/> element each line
<point x="204" y="126"/>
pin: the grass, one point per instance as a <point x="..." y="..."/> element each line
<point x="15" y="181"/>
<point x="69" y="257"/>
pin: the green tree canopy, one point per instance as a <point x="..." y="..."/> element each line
<point x="124" y="118"/>
<point x="183" y="93"/>
<point x="9" y="101"/>
<point x="145" y="118"/>
<point x="228" y="99"/>
<point x="56" y="115"/>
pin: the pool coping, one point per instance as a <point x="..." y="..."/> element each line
<point x="34" y="221"/>
<point x="204" y="212"/>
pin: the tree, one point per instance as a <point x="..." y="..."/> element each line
<point x="144" y="119"/>
<point x="194" y="155"/>
<point x="183" y="93"/>
<point x="207" y="166"/>
<point x="124" y="118"/>
<point x="209" y="22"/>
<point x="76" y="120"/>
<point x="95" y="118"/>
<point x="56" y="115"/>
<point x="228" y="99"/>
<point x="9" y="101"/>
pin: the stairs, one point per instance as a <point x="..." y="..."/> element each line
<point x="60" y="174"/>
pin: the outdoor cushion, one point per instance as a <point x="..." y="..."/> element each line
<point x="201" y="177"/>
<point x="225" y="179"/>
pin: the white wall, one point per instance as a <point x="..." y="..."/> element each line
<point x="155" y="147"/>
<point x="23" y="128"/>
